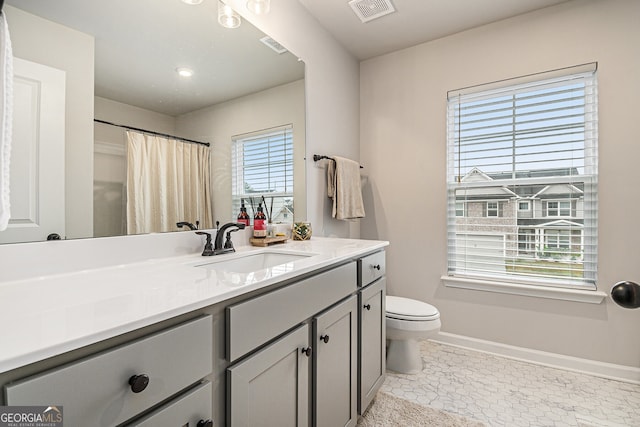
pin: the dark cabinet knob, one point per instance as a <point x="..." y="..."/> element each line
<point x="307" y="351"/>
<point x="376" y="267"/>
<point x="203" y="423"/>
<point x="367" y="307"/>
<point x="138" y="382"/>
<point x="324" y="338"/>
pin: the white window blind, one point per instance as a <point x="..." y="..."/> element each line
<point x="529" y="141"/>
<point x="262" y="165"/>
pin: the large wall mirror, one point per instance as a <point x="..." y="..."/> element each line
<point x="117" y="62"/>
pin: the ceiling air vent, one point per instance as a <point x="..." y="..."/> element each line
<point x="273" y="44"/>
<point x="368" y="10"/>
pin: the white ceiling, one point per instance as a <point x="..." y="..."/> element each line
<point x="414" y="22"/>
<point x="140" y="43"/>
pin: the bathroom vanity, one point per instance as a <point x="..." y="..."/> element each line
<point x="287" y="336"/>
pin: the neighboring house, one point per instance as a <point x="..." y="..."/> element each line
<point x="526" y="221"/>
<point x="284" y="214"/>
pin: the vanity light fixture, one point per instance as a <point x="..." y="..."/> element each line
<point x="184" y="71"/>
<point x="191" y="2"/>
<point x="259" y="7"/>
<point x="228" y="17"/>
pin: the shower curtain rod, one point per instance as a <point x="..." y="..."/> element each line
<point x="152" y="132"/>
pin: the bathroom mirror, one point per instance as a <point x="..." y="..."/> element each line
<point x="242" y="82"/>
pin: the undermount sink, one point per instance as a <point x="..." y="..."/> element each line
<point x="253" y="262"/>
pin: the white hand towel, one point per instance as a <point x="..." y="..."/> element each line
<point x="343" y="186"/>
<point x="6" y="119"/>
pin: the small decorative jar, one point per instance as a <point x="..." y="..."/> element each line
<point x="301" y="231"/>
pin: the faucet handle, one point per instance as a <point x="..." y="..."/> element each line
<point x="228" y="244"/>
<point x="208" y="247"/>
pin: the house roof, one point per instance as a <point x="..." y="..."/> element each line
<point x="529" y="191"/>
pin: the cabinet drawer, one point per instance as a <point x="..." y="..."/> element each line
<point x="189" y="409"/>
<point x="257" y="321"/>
<point x="95" y="391"/>
<point x="371" y="268"/>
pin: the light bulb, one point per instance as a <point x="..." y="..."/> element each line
<point x="259" y="7"/>
<point x="227" y="17"/>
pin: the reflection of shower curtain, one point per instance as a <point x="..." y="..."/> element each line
<point x="167" y="181"/>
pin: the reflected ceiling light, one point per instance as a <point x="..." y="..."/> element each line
<point x="191" y="2"/>
<point x="259" y="7"/>
<point x="184" y="71"/>
<point x="227" y="17"/>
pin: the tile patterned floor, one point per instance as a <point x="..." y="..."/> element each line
<point x="504" y="392"/>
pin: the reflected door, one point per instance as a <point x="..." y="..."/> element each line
<point x="37" y="154"/>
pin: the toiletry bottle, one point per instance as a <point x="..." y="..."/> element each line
<point x="259" y="223"/>
<point x="243" y="216"/>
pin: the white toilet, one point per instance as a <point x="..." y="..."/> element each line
<point x="408" y="322"/>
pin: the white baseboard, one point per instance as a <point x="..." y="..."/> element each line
<point x="611" y="371"/>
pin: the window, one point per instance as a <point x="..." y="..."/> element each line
<point x="459" y="208"/>
<point x="522" y="141"/>
<point x="492" y="208"/>
<point x="262" y="165"/>
<point x="559" y="208"/>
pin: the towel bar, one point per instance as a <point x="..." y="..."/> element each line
<point x="318" y="157"/>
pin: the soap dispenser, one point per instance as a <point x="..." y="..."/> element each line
<point x="259" y="224"/>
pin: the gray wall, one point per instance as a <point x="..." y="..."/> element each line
<point x="403" y="145"/>
<point x="217" y="124"/>
<point x="332" y="96"/>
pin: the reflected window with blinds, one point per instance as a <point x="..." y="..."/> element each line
<point x="522" y="178"/>
<point x="262" y="165"/>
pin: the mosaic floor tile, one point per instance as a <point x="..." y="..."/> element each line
<point x="504" y="392"/>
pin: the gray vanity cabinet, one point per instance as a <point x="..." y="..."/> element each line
<point x="372" y="364"/>
<point x="130" y="380"/>
<point x="372" y="330"/>
<point x="335" y="365"/>
<point x="271" y="387"/>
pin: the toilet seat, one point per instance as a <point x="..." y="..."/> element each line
<point x="409" y="310"/>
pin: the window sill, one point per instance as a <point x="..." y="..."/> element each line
<point x="576" y="295"/>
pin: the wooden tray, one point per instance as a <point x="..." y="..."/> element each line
<point x="267" y="241"/>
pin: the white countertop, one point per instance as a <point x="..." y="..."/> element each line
<point x="45" y="316"/>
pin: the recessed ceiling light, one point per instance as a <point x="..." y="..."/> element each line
<point x="191" y="2"/>
<point x="184" y="71"/>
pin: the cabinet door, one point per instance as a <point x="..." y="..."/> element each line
<point x="372" y="342"/>
<point x="336" y="375"/>
<point x="271" y="388"/>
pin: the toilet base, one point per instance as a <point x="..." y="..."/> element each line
<point x="403" y="356"/>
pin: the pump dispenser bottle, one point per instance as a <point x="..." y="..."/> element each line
<point x="243" y="216"/>
<point x="259" y="223"/>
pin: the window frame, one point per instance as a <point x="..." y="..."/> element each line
<point x="588" y="179"/>
<point x="281" y="138"/>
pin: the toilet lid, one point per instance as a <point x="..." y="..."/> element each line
<point x="410" y="309"/>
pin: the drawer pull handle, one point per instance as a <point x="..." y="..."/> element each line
<point x="376" y="267"/>
<point x="307" y="351"/>
<point x="324" y="338"/>
<point x="203" y="423"/>
<point x="367" y="306"/>
<point x="139" y="382"/>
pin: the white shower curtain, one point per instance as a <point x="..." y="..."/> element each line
<point x="167" y="181"/>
